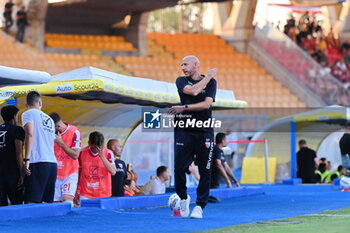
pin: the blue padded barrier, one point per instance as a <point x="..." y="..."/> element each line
<point x="17" y="212"/>
<point x="292" y="181"/>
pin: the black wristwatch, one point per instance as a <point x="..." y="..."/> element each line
<point x="25" y="160"/>
<point x="186" y="106"/>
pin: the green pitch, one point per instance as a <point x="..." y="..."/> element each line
<point x="326" y="222"/>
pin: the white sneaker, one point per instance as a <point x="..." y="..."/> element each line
<point x="185" y="207"/>
<point x="197" y="212"/>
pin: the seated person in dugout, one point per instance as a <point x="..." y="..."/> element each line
<point x="157" y="184"/>
<point x="338" y="174"/>
<point x="96" y="170"/>
<point x="321" y="173"/>
<point x="131" y="189"/>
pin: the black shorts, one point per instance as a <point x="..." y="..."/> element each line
<point x="40" y="185"/>
<point x="9" y="189"/>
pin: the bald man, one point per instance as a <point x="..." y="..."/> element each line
<point x="120" y="178"/>
<point x="197" y="93"/>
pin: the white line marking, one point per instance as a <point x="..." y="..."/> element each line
<point x="329" y="215"/>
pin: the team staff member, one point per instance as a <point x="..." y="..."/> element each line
<point x="344" y="145"/>
<point x="220" y="166"/>
<point x="120" y="177"/>
<point x="197" y="93"/>
<point x="11" y="157"/>
<point x="40" y="160"/>
<point x="306" y="161"/>
<point x="96" y="168"/>
<point x="67" y="150"/>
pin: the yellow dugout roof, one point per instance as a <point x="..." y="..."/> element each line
<point x="94" y="84"/>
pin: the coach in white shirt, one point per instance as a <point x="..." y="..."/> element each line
<point x="157" y="184"/>
<point x="40" y="160"/>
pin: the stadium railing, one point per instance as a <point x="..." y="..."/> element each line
<point x="301" y="64"/>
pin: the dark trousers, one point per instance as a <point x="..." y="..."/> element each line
<point x="9" y="189"/>
<point x="187" y="145"/>
<point x="21" y="28"/>
<point x="8" y="21"/>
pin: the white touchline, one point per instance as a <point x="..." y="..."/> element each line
<point x="329" y="215"/>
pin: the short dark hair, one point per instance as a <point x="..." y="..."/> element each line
<point x="347" y="125"/>
<point x="340" y="167"/>
<point x="302" y="142"/>
<point x="33" y="98"/>
<point x="55" y="117"/>
<point x="161" y="170"/>
<point x="219" y="137"/>
<point x="96" y="138"/>
<point x="323" y="159"/>
<point x="9" y="112"/>
<point x="322" y="167"/>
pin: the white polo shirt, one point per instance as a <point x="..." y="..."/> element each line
<point x="154" y="186"/>
<point x="43" y="135"/>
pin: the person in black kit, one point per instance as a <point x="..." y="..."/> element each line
<point x="21" y="23"/>
<point x="344" y="145"/>
<point x="197" y="93"/>
<point x="120" y="177"/>
<point x="220" y="166"/>
<point x="11" y="157"/>
<point x="306" y="161"/>
<point x="8" y="15"/>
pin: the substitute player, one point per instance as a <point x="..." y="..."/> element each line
<point x="220" y="166"/>
<point x="67" y="150"/>
<point x="197" y="93"/>
<point x="96" y="168"/>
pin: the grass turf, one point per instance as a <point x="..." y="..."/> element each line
<point x="328" y="221"/>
